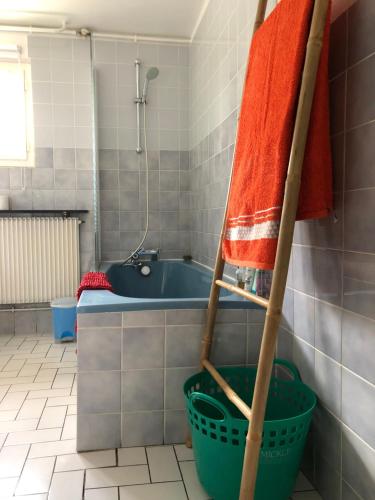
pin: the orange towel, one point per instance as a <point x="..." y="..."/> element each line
<point x="264" y="138"/>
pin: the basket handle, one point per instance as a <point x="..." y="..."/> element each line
<point x="201" y="396"/>
<point x="291" y="367"/>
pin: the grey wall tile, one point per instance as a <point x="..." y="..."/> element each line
<point x="183" y="345"/>
<point x="358" y="464"/>
<point x="142" y="390"/>
<point x="176" y="427"/>
<point x="65" y="179"/>
<point x="327" y="436"/>
<point x="359" y="283"/>
<point x="361" y="81"/>
<point x="143" y="348"/>
<point x="304" y="317"/>
<point x="327" y="480"/>
<point x="99" y="349"/>
<point x="328" y="275"/>
<point x="337" y="104"/>
<point x="328" y="321"/>
<point x="44" y="157"/>
<point x="25" y="322"/>
<point x="185" y="316"/>
<point x="347" y="492"/>
<point x="44" y="321"/>
<point x="98" y="432"/>
<point x="99" y="320"/>
<point x="358" y="345"/>
<point x="361" y="41"/>
<point x="142" y="428"/>
<point x="174" y="382"/>
<point x="6" y="323"/>
<point x="229" y="346"/>
<point x="303" y="269"/>
<point x="100" y="392"/>
<point x="360" y="152"/>
<point x="328" y="382"/>
<point x="143" y="318"/>
<point x="359" y="222"/>
<point x="254" y="339"/>
<point x="338" y="46"/>
<point x="64" y="158"/>
<point x="304" y="358"/>
<point x="358" y="406"/>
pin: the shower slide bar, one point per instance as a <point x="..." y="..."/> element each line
<point x="273" y="306"/>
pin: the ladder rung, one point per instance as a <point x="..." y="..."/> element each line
<point x="228" y="391"/>
<point x="240" y="291"/>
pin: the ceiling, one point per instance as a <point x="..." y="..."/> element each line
<point x="168" y="18"/>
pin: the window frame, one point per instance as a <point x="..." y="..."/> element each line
<point x="29" y="161"/>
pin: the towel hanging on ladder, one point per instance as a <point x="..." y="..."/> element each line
<point x="265" y="128"/>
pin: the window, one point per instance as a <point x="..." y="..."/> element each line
<point x="16" y="120"/>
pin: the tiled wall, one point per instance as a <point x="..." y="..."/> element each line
<point x="218" y="61"/>
<point x="122" y="171"/>
<point x="328" y="326"/>
<point x="62" y="177"/>
<point x="131" y="394"/>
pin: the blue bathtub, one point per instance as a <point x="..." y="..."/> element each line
<point x="171" y="285"/>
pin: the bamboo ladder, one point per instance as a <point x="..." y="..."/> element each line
<point x="273" y="306"/>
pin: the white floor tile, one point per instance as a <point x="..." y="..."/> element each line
<point x="52" y="448"/>
<point x="2" y="439"/>
<point x="29" y="370"/>
<point x="12" y="459"/>
<point x="53" y="364"/>
<point x="14" y="364"/>
<point x="36" y="476"/>
<point x="48" y="393"/>
<point x="29" y="437"/>
<point x="70" y="427"/>
<point x="47" y="375"/>
<point x="53" y="416"/>
<point x="117" y="476"/>
<point x="3" y="391"/>
<point x="193" y="486"/>
<point x="7" y="415"/>
<point x="89" y="460"/>
<point x="13" y="401"/>
<point x="66" y="485"/>
<point x="8" y="374"/>
<point x="16" y="380"/>
<point x="163" y="464"/>
<point x="183" y="452"/>
<point x="65" y="380"/>
<point x="31" y="408"/>
<point x="62" y="401"/>
<point x="19" y="425"/>
<point x="30" y="387"/>
<point x="102" y="494"/>
<point x="72" y="369"/>
<point x="132" y="456"/>
<point x="42" y="496"/>
<point x="72" y="410"/>
<point x="7" y="487"/>
<point x="160" y="491"/>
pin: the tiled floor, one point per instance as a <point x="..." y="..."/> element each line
<point x="38" y="460"/>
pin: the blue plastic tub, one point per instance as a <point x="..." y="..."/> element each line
<point x="64" y="313"/>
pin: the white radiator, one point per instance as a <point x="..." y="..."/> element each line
<point x="39" y="259"/>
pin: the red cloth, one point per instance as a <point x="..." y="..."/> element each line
<point x="94" y="281"/>
<point x="264" y="138"/>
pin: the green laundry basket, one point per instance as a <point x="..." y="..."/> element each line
<point x="219" y="432"/>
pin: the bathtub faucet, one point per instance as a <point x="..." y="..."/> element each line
<point x="153" y="253"/>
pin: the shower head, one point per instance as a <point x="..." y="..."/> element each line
<point x="151" y="74"/>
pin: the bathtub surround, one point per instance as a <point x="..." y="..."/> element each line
<point x="132" y="365"/>
<point x="122" y="170"/>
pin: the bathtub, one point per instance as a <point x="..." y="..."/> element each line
<point x="171" y="285"/>
<point x="138" y="345"/>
